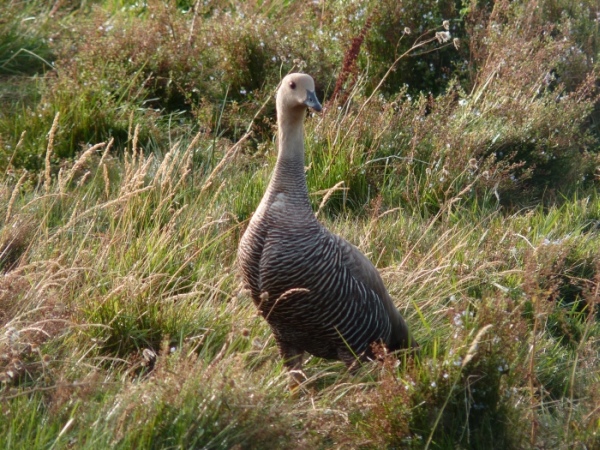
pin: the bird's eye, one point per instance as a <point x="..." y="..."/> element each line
<point x="292" y="85"/>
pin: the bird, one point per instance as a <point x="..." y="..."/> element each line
<point x="318" y="293"/>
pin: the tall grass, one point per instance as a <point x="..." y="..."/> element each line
<point x="122" y="308"/>
<point x="123" y="320"/>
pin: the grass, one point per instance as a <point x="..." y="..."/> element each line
<point x="123" y="320"/>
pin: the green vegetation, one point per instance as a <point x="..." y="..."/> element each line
<point x="461" y="156"/>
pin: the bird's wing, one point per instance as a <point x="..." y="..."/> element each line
<point x="363" y="270"/>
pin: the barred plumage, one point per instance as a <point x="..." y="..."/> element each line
<point x="318" y="292"/>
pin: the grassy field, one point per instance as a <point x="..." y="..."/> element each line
<point x="458" y="148"/>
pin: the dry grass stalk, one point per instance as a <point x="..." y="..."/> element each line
<point x="474" y="345"/>
<point x="49" y="151"/>
<point x="193" y="24"/>
<point x="135" y="179"/>
<point x="469" y="356"/>
<point x="13" y="196"/>
<point x="194" y="142"/>
<point x="63" y="181"/>
<point x="531" y="377"/>
<point x="417" y="44"/>
<point x="182" y="179"/>
<point x="86" y="156"/>
<point x="283" y="297"/>
<point x="162" y="168"/>
<point x="173" y="220"/>
<point x="220" y="355"/>
<point x="21" y="139"/>
<point x="328" y="193"/>
<point x="86" y="176"/>
<point x="61" y="175"/>
<point x="229" y="155"/>
<point x="166" y="168"/>
<point x="121" y="198"/>
<point x="134" y="148"/>
<point x="131" y="160"/>
<point x="167" y="196"/>
<point x="106" y="151"/>
<point x="106" y="181"/>
<point x="216" y="194"/>
<point x="73" y="215"/>
<point x="189" y="153"/>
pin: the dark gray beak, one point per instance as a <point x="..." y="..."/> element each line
<point x="312" y="102"/>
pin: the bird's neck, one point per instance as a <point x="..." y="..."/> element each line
<point x="288" y="176"/>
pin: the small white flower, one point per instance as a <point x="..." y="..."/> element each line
<point x="442" y="36"/>
<point x="458" y="320"/>
<point x="12" y="334"/>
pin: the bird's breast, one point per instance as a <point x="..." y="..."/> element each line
<point x="279" y="205"/>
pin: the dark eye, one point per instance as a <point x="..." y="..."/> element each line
<point x="292" y="85"/>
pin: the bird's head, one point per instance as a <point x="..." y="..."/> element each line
<point x="296" y="93"/>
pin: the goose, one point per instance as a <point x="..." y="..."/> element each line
<point x="319" y="294"/>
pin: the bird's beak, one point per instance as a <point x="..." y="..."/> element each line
<point x="312" y="102"/>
